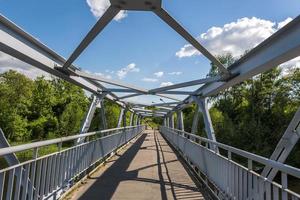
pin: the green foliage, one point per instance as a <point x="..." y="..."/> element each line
<point x="253" y="115"/>
<point x="37" y="109"/>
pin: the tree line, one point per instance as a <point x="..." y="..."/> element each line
<point x="45" y="108"/>
<point x="254" y="114"/>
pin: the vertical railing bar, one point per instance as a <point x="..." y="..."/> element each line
<point x="10" y="184"/>
<point x="284" y="183"/>
<point x="48" y="176"/>
<point x="18" y="183"/>
<point x="44" y="170"/>
<point x="32" y="175"/>
<point x="2" y="181"/>
<point x="38" y="179"/>
<point x="25" y="181"/>
<point x="53" y="173"/>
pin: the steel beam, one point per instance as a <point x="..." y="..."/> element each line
<point x="89" y="117"/>
<point x="131" y="119"/>
<point x="110" y="81"/>
<point x="195" y="121"/>
<point x="11" y="159"/>
<point x="203" y="108"/>
<point x="164" y="15"/>
<point x="166" y="104"/>
<point x="108" y="15"/>
<point x="121" y="90"/>
<point x="120" y="118"/>
<point x="161" y="95"/>
<point x="185" y="84"/>
<point x="102" y="114"/>
<point x="17" y="43"/>
<point x="284" y="146"/>
<point x="180" y="123"/>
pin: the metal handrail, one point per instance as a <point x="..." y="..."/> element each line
<point x="260" y="159"/>
<point x="24" y="147"/>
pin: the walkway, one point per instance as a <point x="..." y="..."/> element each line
<point x="147" y="169"/>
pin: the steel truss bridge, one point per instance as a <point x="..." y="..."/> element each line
<point x="52" y="176"/>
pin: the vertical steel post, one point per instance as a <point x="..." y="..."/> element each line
<point x="124" y="118"/>
<point x="167" y="121"/>
<point x="195" y="121"/>
<point x="284" y="146"/>
<point x="131" y="119"/>
<point x="171" y="120"/>
<point x="120" y="117"/>
<point x="203" y="107"/>
<point x="180" y="123"/>
<point x="102" y="114"/>
<point x="11" y="159"/>
<point x="88" y="117"/>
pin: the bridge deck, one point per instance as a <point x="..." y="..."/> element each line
<point x="147" y="169"/>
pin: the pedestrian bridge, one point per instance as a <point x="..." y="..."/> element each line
<point x="133" y="161"/>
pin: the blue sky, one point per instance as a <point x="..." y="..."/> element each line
<point x="141" y="49"/>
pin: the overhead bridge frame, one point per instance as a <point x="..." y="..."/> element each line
<point x="282" y="46"/>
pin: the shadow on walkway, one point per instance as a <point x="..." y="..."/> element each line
<point x="108" y="182"/>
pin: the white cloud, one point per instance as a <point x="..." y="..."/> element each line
<point x="163" y="84"/>
<point x="235" y="37"/>
<point x="129" y="68"/>
<point x="98" y="7"/>
<point x="175" y="73"/>
<point x="149" y="79"/>
<point x="10" y="63"/>
<point x="158" y="74"/>
<point x="284" y="22"/>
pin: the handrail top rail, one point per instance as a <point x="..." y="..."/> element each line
<point x="257" y="158"/>
<point x="24" y="147"/>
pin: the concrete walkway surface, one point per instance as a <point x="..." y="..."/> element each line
<point x="146" y="169"/>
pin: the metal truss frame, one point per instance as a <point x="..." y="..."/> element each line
<point x="282" y="46"/>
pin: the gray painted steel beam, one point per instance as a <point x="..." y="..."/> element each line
<point x="203" y="108"/>
<point x="131" y="119"/>
<point x="164" y="15"/>
<point x="280" y="47"/>
<point x="161" y="95"/>
<point x="103" y="117"/>
<point x="110" y="81"/>
<point x="185" y="84"/>
<point x="108" y="15"/>
<point x="166" y="104"/>
<point x="180" y="123"/>
<point x="120" y="90"/>
<point x="89" y="117"/>
<point x="11" y="159"/>
<point x="285" y="145"/>
<point x="120" y="118"/>
<point x="17" y="43"/>
<point x="195" y="121"/>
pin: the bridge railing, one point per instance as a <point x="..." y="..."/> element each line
<point x="227" y="177"/>
<point x="47" y="177"/>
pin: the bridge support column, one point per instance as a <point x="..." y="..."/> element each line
<point x="120" y="117"/>
<point x="165" y="121"/>
<point x="90" y="114"/>
<point x="124" y="118"/>
<point x="103" y="117"/>
<point x="284" y="146"/>
<point x="180" y="123"/>
<point x="131" y="119"/>
<point x="203" y="108"/>
<point x="171" y="120"/>
<point x="11" y="159"/>
<point x="195" y="121"/>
